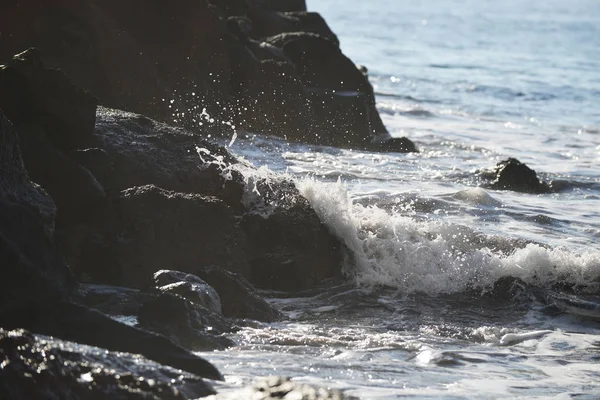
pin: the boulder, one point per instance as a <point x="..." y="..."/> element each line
<point x="266" y="23"/>
<point x="229" y="8"/>
<point x="32" y="93"/>
<point x="289" y="247"/>
<point x="170" y="57"/>
<point x="394" y="145"/>
<point x="33" y="272"/>
<point x="238" y="298"/>
<point x="133" y="150"/>
<point x="321" y="65"/>
<point x="278" y="5"/>
<point x="511" y="174"/>
<point x="190" y="287"/>
<point x="77" y="323"/>
<point x="112" y="300"/>
<point x="52" y="115"/>
<point x="76" y="192"/>
<point x="36" y="367"/>
<point x="149" y="229"/>
<point x="187" y="324"/>
<point x="15" y="185"/>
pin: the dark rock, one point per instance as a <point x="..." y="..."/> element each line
<point x="238" y="297"/>
<point x="76" y="192"/>
<point x="140" y="151"/>
<point x="35" y="280"/>
<point x="341" y="118"/>
<point x="321" y="65"/>
<point x="112" y="300"/>
<point x="511" y="174"/>
<point x="15" y="185"/>
<point x="32" y="93"/>
<point x="80" y="324"/>
<point x="156" y="66"/>
<point x="152" y="228"/>
<point x="190" y="287"/>
<point x="279" y="5"/>
<point x="273" y="101"/>
<point x="276" y="387"/>
<point x="229" y="8"/>
<point x="185" y="323"/>
<point x="32" y="271"/>
<point x="395" y="145"/>
<point x="290" y="248"/>
<point x="270" y="23"/>
<point x="37" y="367"/>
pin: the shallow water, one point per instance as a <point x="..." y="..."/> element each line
<point x="472" y="83"/>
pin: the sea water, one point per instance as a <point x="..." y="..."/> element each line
<point x="453" y="291"/>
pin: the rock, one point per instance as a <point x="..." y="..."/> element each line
<point x="342" y="118"/>
<point x="238" y="297"/>
<point x="33" y="272"/>
<point x="138" y="151"/>
<point x="156" y="66"/>
<point x="32" y="93"/>
<point x="267" y="23"/>
<point x="35" y="367"/>
<point x="321" y="65"/>
<point x="52" y="115"/>
<point x="511" y="174"/>
<point x="15" y="185"/>
<point x="73" y="188"/>
<point x="279" y="5"/>
<point x="80" y="324"/>
<point x="185" y="323"/>
<point x="190" y="287"/>
<point x="394" y="145"/>
<point x="35" y="282"/>
<point x="112" y="300"/>
<point x="151" y="228"/>
<point x="290" y="249"/>
<point x="273" y="102"/>
<point x="276" y="387"/>
<point x="229" y="8"/>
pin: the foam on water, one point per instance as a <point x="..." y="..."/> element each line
<point x="435" y="257"/>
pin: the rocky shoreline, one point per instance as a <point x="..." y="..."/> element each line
<point x="110" y="214"/>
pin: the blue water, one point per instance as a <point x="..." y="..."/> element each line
<point x="471" y="83"/>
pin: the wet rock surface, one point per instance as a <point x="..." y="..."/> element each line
<point x="290" y="249"/>
<point x="187" y="324"/>
<point x="190" y="287"/>
<point x="37" y="367"/>
<point x="511" y="174"/>
<point x="33" y="272"/>
<point x="198" y="57"/>
<point x="238" y="298"/>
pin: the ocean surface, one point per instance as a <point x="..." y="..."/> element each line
<point x="453" y="291"/>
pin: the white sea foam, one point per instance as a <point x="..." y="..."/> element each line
<point x="432" y="256"/>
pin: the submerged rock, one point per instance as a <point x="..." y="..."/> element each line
<point x="276" y="387"/>
<point x="395" y="145"/>
<point x="511" y="174"/>
<point x="35" y="367"/>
